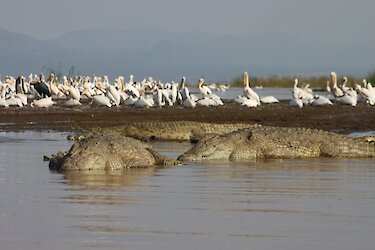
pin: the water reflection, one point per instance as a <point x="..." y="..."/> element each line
<point x="105" y="187"/>
<point x="99" y="179"/>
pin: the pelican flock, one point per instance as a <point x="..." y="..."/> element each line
<point x="43" y="92"/>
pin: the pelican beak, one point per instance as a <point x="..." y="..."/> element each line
<point x="333" y="77"/>
<point x="245" y="79"/>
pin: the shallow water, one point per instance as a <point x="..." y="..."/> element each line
<point x="280" y="94"/>
<point x="305" y="204"/>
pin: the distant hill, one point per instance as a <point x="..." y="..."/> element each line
<point x="22" y="54"/>
<point x="167" y="55"/>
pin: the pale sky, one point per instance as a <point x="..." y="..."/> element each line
<point x="332" y="21"/>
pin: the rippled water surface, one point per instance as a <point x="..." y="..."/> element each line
<point x="312" y="204"/>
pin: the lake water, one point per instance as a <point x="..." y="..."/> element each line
<point x="305" y="204"/>
<point x="281" y="94"/>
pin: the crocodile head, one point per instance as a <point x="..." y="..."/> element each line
<point x="89" y="155"/>
<point x="108" y="152"/>
<point x="86" y="161"/>
<point x="216" y="147"/>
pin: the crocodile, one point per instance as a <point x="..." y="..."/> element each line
<point x="167" y="131"/>
<point x="278" y="142"/>
<point x="104" y="151"/>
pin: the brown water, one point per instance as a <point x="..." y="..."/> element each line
<point x="312" y="204"/>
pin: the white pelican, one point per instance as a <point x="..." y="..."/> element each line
<point x="123" y="97"/>
<point x="206" y="102"/>
<point x="218" y="87"/>
<point x="205" y="91"/>
<point x="297" y="91"/>
<point x="223" y="87"/>
<point x="251" y="103"/>
<point x="55" y="90"/>
<point x="74" y="93"/>
<point x="366" y="94"/>
<point x="101" y="100"/>
<point x="88" y="91"/>
<point x="240" y="99"/>
<point x="213" y="86"/>
<point x="336" y="91"/>
<point x="105" y="81"/>
<point x="364" y="81"/>
<point x="194" y="97"/>
<point x="65" y="81"/>
<point x="306" y="88"/>
<point x="329" y="94"/>
<point x="301" y="94"/>
<point x="113" y="94"/>
<point x="99" y="87"/>
<point x="21" y="86"/>
<point x="207" y="94"/>
<point x="166" y="93"/>
<point x="30" y="78"/>
<point x="11" y="82"/>
<point x="268" y="99"/>
<point x="144" y="102"/>
<point x="158" y="98"/>
<point x="22" y="97"/>
<point x="249" y="93"/>
<point x="167" y="85"/>
<point x="174" y="92"/>
<point x="3" y="102"/>
<point x="296" y="102"/>
<point x="217" y="99"/>
<point x="328" y="88"/>
<point x="321" y="100"/>
<point x="130" y="89"/>
<point x="45" y="102"/>
<point x="349" y="98"/>
<point x="183" y="89"/>
<point x="344" y="88"/>
<point x="4" y="90"/>
<point x="14" y="101"/>
<point x="189" y="102"/>
<point x="130" y="100"/>
<point x="72" y="102"/>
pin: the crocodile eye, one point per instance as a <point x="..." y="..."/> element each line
<point x="249" y="135"/>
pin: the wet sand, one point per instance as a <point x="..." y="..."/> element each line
<point x="339" y="118"/>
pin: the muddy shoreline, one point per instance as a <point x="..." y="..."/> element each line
<point x="338" y="118"/>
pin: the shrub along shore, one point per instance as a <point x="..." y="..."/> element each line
<point x="316" y="82"/>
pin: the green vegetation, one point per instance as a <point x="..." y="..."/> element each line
<point x="58" y="70"/>
<point x="274" y="81"/>
<point x="371" y="76"/>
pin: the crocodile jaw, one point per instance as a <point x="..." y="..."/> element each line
<point x="206" y="155"/>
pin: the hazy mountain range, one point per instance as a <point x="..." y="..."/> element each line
<point x="168" y="56"/>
